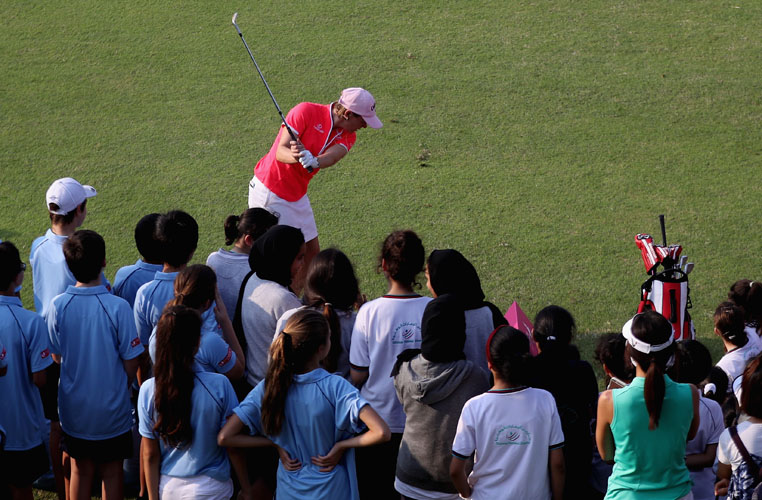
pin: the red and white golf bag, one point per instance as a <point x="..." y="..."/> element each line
<point x="668" y="293"/>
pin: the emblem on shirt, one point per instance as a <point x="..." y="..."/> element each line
<point x="226" y="358"/>
<point x="512" y="434"/>
<point x="44" y="354"/>
<point x="318" y="127"/>
<point x="2" y="354"/>
<point x="406" y="333"/>
<point x="135" y="342"/>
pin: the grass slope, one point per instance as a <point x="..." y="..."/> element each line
<point x="537" y="137"/>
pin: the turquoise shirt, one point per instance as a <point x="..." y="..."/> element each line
<point x="650" y="464"/>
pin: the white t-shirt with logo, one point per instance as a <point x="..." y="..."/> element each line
<point x="735" y="360"/>
<point x="384" y="328"/>
<point x="711" y="425"/>
<point x="511" y="433"/>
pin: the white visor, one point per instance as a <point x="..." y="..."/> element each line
<point x="641" y="346"/>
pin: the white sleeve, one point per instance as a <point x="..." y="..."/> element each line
<point x="358" y="348"/>
<point x="723" y="451"/>
<point x="464" y="444"/>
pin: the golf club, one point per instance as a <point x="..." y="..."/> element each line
<point x="282" y="118"/>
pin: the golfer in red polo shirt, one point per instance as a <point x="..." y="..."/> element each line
<point x="326" y="133"/>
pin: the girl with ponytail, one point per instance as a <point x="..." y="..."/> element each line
<point x="309" y="414"/>
<point x="332" y="289"/>
<point x="513" y="431"/>
<point x="181" y="411"/>
<point x="649" y="421"/>
<point x="232" y="265"/>
<point x="740" y="344"/>
<point x="196" y="287"/>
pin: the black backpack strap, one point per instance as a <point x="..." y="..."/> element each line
<point x="744" y="452"/>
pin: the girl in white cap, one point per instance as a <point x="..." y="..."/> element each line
<point x="325" y="133"/>
<point x="650" y="420"/>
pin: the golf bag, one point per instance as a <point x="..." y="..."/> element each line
<point x="666" y="292"/>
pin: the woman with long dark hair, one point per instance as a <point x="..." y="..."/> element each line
<point x="649" y="421"/>
<point x="181" y="411"/>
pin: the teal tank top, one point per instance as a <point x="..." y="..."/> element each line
<point x="650" y="464"/>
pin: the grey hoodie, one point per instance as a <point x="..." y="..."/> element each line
<point x="433" y="395"/>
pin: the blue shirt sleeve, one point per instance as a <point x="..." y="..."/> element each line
<point x="128" y="341"/>
<point x="250" y="409"/>
<point x="146" y="409"/>
<point x="140" y="318"/>
<point x="39" y="347"/>
<point x="51" y="318"/>
<point x="229" y="400"/>
<point x="216" y="353"/>
<point x="348" y="406"/>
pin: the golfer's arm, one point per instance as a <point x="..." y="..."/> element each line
<point x="284" y="154"/>
<point x="332" y="155"/>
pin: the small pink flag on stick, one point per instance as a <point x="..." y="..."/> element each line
<point x="517" y="319"/>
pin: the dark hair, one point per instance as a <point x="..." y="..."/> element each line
<point x="403" y="253"/>
<point x="10" y="264"/>
<point x="693" y="362"/>
<point x="177" y="233"/>
<point x="751" y="388"/>
<point x="729" y="320"/>
<point x="554" y="327"/>
<point x="177" y="339"/>
<point x="332" y="284"/>
<point x="331" y="278"/>
<point x="652" y="328"/>
<point x="508" y="352"/>
<point x="291" y="349"/>
<point x="747" y="294"/>
<point x="719" y="378"/>
<point x="253" y="222"/>
<point x="64" y="219"/>
<point x="194" y="285"/>
<point x="609" y="351"/>
<point x="145" y="239"/>
<point x="85" y="253"/>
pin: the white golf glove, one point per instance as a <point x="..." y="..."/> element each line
<point x="308" y="160"/>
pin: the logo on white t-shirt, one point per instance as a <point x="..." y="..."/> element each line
<point x="512" y="434"/>
<point x="406" y="333"/>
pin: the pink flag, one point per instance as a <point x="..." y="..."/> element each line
<point x="517" y="319"/>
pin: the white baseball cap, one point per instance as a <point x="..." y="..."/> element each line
<point x="361" y="102"/>
<point x="68" y="194"/>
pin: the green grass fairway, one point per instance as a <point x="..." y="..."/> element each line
<point x="537" y="137"/>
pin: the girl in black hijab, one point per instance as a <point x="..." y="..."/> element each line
<point x="449" y="272"/>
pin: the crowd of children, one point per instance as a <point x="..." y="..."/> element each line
<point x="239" y="384"/>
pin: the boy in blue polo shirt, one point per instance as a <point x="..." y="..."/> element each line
<point x="93" y="337"/>
<point x="177" y="234"/>
<point x="24" y="341"/>
<point x="129" y="278"/>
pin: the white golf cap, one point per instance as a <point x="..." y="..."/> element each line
<point x="68" y="194"/>
<point x="361" y="102"/>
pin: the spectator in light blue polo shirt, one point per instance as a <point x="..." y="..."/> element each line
<point x="92" y="335"/>
<point x="66" y="200"/>
<point x="177" y="234"/>
<point x="129" y="278"/>
<point x="180" y="436"/>
<point x="23" y="341"/>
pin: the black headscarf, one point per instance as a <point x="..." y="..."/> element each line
<point x="274" y="252"/>
<point x="443" y="332"/>
<point x="451" y="272"/>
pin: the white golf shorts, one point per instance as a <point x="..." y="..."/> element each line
<point x="290" y="213"/>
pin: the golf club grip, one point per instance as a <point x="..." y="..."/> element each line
<point x="663" y="230"/>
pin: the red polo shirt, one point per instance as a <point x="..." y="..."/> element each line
<point x="313" y="124"/>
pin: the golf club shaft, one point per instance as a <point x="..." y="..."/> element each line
<point x="282" y="118"/>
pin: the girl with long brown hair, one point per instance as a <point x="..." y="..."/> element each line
<point x="196" y="287"/>
<point x="181" y="411"/>
<point x="650" y="420"/>
<point x="309" y="414"/>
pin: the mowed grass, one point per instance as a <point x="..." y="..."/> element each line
<point x="536" y="137"/>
